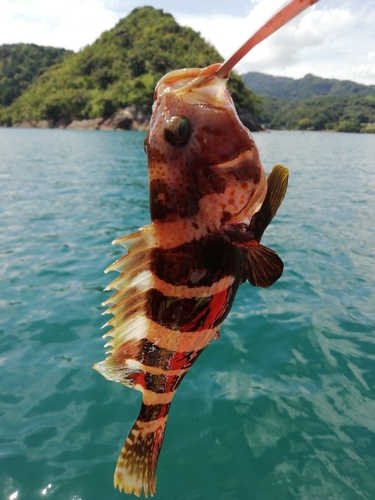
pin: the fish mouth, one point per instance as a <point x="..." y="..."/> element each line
<point x="196" y="86"/>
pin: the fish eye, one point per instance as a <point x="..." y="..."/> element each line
<point x="177" y="130"/>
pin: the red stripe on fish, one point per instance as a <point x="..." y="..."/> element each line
<point x="189" y="315"/>
<point x="179" y="279"/>
<point x="200" y="262"/>
<point x="159" y="384"/>
<point x="151" y="355"/>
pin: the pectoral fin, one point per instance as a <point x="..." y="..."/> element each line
<point x="263" y="266"/>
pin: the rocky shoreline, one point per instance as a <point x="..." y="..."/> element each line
<point x="130" y="118"/>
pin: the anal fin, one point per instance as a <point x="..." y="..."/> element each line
<point x="128" y="305"/>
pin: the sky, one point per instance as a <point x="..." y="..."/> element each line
<point x="332" y="39"/>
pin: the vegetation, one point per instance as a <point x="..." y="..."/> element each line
<point x="122" y="67"/>
<point x="337" y="105"/>
<point x="309" y="86"/>
<point x="21" y="64"/>
<point x="342" y="114"/>
<point x="119" y="69"/>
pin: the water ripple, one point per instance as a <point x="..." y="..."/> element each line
<point x="282" y="407"/>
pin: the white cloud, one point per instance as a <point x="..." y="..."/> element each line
<point x="334" y="38"/>
<point x="365" y="71"/>
<point x="327" y="40"/>
<point x="71" y="24"/>
<point x="298" y="48"/>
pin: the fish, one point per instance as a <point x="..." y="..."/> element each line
<point x="210" y="203"/>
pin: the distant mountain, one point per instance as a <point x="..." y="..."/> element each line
<point x="21" y="64"/>
<point x="336" y="113"/>
<point x="313" y="103"/>
<point x="290" y="89"/>
<point x="119" y="71"/>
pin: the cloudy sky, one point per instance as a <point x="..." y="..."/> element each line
<point x="333" y="39"/>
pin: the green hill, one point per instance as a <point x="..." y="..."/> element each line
<point x="313" y="103"/>
<point x="21" y="64"/>
<point x="309" y="86"/>
<point x="339" y="113"/>
<point x="118" y="70"/>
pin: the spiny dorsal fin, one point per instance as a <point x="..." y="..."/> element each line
<point x="128" y="304"/>
<point x="277" y="185"/>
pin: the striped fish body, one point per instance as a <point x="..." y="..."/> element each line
<point x="179" y="278"/>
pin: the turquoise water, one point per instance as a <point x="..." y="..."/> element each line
<point x="282" y="407"/>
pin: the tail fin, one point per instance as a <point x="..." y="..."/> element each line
<point x="136" y="465"/>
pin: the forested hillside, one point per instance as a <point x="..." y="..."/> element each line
<point x="313" y="103"/>
<point x="118" y="70"/>
<point x="341" y="114"/>
<point x="290" y="89"/>
<point x="21" y="64"/>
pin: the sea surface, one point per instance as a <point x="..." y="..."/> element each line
<point x="281" y="407"/>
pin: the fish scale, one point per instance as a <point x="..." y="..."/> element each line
<point x="180" y="276"/>
<point x="210" y="203"/>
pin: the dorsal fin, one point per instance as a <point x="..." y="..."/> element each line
<point x="263" y="266"/>
<point x="277" y="185"/>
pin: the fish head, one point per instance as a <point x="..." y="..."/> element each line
<point x="203" y="163"/>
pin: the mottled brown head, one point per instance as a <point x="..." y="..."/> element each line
<point x="203" y="163"/>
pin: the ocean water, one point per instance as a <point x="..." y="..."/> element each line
<point x="282" y="407"/>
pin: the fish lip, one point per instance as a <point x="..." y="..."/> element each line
<point x="183" y="81"/>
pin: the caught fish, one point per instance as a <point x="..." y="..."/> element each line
<point x="210" y="202"/>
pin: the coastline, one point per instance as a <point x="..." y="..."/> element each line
<point x="130" y="118"/>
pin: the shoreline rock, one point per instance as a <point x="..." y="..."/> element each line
<point x="89" y="124"/>
<point x="34" y="124"/>
<point x="129" y="118"/>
